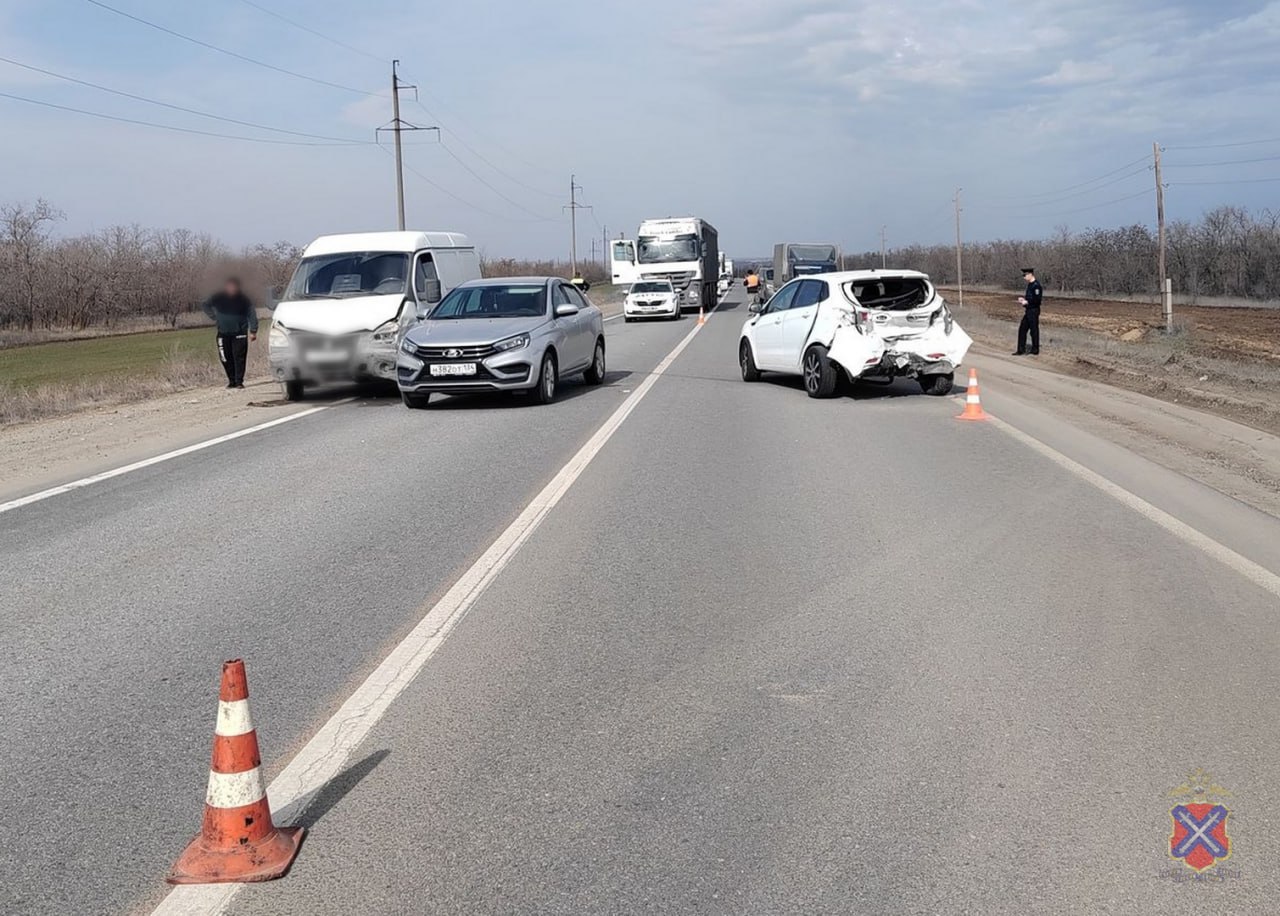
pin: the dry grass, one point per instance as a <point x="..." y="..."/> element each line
<point x="19" y="337"/>
<point x="180" y="370"/>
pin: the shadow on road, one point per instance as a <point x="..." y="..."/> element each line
<point x="506" y="400"/>
<point x="324" y="799"/>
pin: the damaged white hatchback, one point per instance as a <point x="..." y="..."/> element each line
<point x="855" y="325"/>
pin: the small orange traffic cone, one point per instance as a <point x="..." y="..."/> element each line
<point x="972" y="402"/>
<point x="702" y="316"/>
<point x="237" y="841"/>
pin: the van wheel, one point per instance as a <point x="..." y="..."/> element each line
<point x="293" y="391"/>
<point x="547" y="380"/>
<point x="415" y="401"/>
<point x="820" y="374"/>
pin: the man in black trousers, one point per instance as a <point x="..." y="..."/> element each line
<point x="237" y="320"/>
<point x="1030" y="303"/>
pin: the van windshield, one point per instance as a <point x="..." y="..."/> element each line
<point x="344" y="276"/>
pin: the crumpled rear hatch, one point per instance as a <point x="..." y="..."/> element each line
<point x="898" y="305"/>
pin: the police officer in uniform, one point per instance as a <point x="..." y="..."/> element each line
<point x="1030" y="303"/>
<point x="237" y="320"/>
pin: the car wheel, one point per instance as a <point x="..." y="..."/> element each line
<point x="595" y="372"/>
<point x="937" y="385"/>
<point x="547" y="379"/>
<point x="415" y="401"/>
<point x="747" y="360"/>
<point x="627" y="318"/>
<point x="675" y="316"/>
<point x="293" y="391"/>
<point x="820" y="374"/>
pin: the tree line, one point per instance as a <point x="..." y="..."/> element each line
<point x="1229" y="252"/>
<point x="119" y="275"/>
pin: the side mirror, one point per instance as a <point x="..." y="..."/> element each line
<point x="431" y="292"/>
<point x="755" y="308"/>
<point x="566" y="311"/>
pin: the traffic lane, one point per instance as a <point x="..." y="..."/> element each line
<point x="308" y="549"/>
<point x="766" y="684"/>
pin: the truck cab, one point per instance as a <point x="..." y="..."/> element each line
<point x="351" y="299"/>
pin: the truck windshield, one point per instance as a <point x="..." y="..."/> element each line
<point x="492" y="302"/>
<point x="813" y="253"/>
<point x="665" y="251"/>
<point x="350" y="274"/>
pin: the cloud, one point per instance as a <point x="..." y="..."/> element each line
<point x="1077" y="73"/>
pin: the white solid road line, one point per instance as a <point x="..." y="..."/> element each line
<point x="1258" y="575"/>
<point x="327" y="753"/>
<point x="167" y="456"/>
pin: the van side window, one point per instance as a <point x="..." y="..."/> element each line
<point x="424" y="271"/>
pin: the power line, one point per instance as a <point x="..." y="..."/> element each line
<point x="1032" y="197"/>
<point x="1203" y="165"/>
<point x="1108" y="203"/>
<point x="306" y="28"/>
<point x="477" y="154"/>
<point x="173" y="107"/>
<point x="1224" y="145"/>
<point x="229" y="53"/>
<point x="1178" y="184"/>
<point x="1107" y="184"/>
<point x="181" y="130"/>
<point x="445" y="191"/>
<point x="472" y="172"/>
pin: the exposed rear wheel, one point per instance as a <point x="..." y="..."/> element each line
<point x="937" y="385"/>
<point x="747" y="360"/>
<point x="820" y="375"/>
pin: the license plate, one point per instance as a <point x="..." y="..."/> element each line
<point x="454" y="369"/>
<point x="326" y="356"/>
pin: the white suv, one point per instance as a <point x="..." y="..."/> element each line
<point x="855" y="324"/>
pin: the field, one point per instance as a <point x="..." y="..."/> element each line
<point x="101" y="358"/>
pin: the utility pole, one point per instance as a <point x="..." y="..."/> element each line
<point x="882" y="247"/>
<point x="397" y="127"/>
<point x="959" y="246"/>
<point x="593" y="249"/>
<point x="573" y="208"/>
<point x="1166" y="285"/>
<point x="604" y="247"/>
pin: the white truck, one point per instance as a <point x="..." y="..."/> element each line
<point x="351" y="299"/>
<point x="684" y="250"/>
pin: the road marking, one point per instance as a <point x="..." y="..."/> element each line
<point x="167" y="456"/>
<point x="327" y="753"/>
<point x="1258" y="575"/>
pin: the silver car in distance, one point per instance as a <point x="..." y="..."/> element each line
<point x="508" y="334"/>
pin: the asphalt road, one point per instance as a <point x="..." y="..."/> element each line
<point x="766" y="655"/>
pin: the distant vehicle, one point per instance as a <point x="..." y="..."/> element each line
<point x="650" y="299"/>
<point x="855" y="325"/>
<point x="766" y="278"/>
<point x="792" y="259"/>
<point x="513" y="334"/>
<point x="351" y="299"/>
<point x="685" y="251"/>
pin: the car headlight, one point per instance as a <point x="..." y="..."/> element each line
<point x="512" y="343"/>
<point x="388" y="332"/>
<point x="278" y="339"/>
<point x="409" y="347"/>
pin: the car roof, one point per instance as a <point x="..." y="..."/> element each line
<point x="856" y="276"/>
<point x="509" y="281"/>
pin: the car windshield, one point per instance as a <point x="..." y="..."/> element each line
<point x="524" y="300"/>
<point x="666" y="250"/>
<point x="350" y="274"/>
<point x="651" y="287"/>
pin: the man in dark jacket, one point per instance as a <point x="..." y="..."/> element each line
<point x="237" y="320"/>
<point x="1030" y="303"/>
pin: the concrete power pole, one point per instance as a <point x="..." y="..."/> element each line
<point x="573" y="208"/>
<point x="397" y="127"/>
<point x="882" y="247"/>
<point x="959" y="246"/>
<point x="1166" y="285"/>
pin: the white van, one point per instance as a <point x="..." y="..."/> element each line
<point x="352" y="298"/>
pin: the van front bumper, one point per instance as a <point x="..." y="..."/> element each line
<point x="317" y="359"/>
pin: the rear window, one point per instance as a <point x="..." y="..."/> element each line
<point x="890" y="294"/>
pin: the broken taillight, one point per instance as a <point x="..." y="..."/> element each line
<point x="937" y="356"/>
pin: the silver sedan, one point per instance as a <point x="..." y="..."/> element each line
<point x="510" y="334"/>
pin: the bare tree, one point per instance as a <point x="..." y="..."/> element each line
<point x="24" y="240"/>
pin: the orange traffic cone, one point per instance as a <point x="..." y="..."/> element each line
<point x="702" y="316"/>
<point x="972" y="402"/>
<point x="237" y="841"/>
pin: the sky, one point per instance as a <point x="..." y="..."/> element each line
<point x="798" y="120"/>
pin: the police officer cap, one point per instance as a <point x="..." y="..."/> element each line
<point x="1028" y="270"/>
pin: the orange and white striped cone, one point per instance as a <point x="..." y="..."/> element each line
<point x="702" y="316"/>
<point x="237" y="840"/>
<point x="973" y="401"/>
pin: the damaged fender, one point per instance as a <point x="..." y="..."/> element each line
<point x="854" y="351"/>
<point x="935" y="352"/>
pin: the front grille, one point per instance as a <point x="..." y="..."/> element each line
<point x="463" y="353"/>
